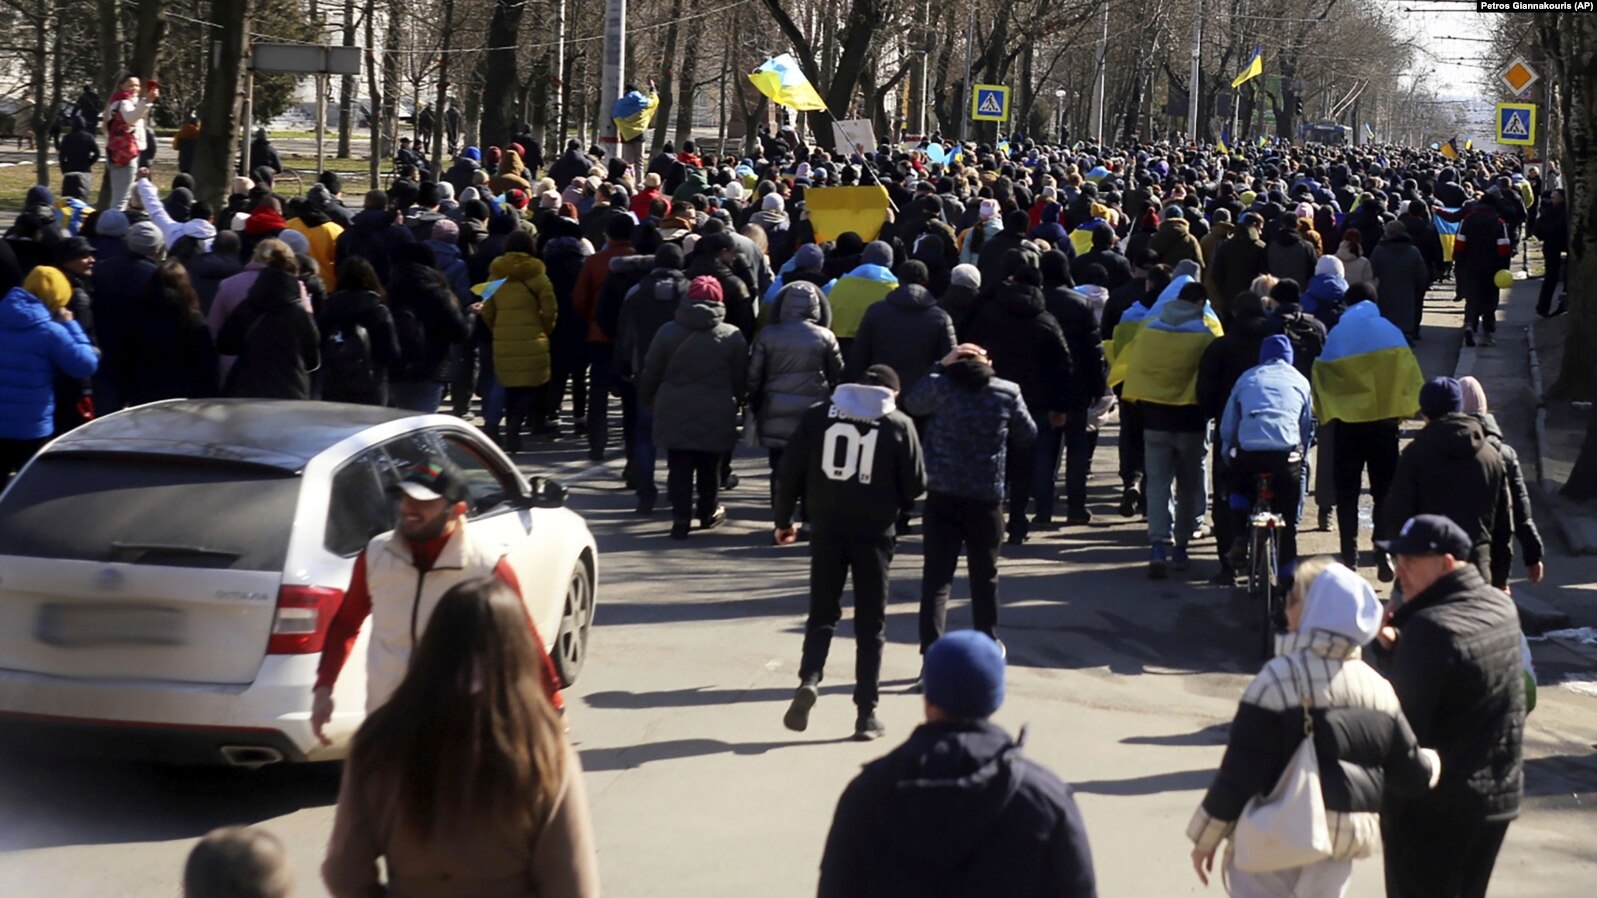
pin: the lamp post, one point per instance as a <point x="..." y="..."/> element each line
<point x="1059" y="113"/>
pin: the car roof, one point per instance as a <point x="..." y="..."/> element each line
<point x="276" y="433"/>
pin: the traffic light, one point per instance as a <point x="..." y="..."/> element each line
<point x="1297" y="107"/>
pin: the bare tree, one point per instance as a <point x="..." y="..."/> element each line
<point x="213" y="156"/>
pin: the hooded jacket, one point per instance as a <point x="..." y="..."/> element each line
<point x="1323" y="296"/>
<point x="906" y="331"/>
<point x="1402" y="277"/>
<point x="957" y="810"/>
<point x="1089" y="370"/>
<point x="1027" y="347"/>
<point x="1530" y="539"/>
<point x="840" y="494"/>
<point x="521" y="315"/>
<point x="419" y="296"/>
<point x="647" y="308"/>
<point x="1290" y="256"/>
<point x="1174" y="242"/>
<point x="1229" y="357"/>
<point x="1450" y="469"/>
<point x="275" y="341"/>
<point x="372" y="234"/>
<point x="977" y="419"/>
<point x="34" y="348"/>
<point x="1270" y="408"/>
<point x="1366" y="748"/>
<point x="1456" y="669"/>
<point x="795" y="363"/>
<point x="695" y="392"/>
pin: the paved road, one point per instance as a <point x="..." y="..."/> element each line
<point x="1126" y="688"/>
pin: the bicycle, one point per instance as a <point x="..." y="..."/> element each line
<point x="1263" y="561"/>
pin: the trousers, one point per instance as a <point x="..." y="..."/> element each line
<point x="1372" y="445"/>
<point x="1178" y="487"/>
<point x="684" y="466"/>
<point x="1550" y="280"/>
<point x="1132" y="450"/>
<point x="1428" y="857"/>
<point x="834" y="555"/>
<point x="1286" y="484"/>
<point x="953" y="523"/>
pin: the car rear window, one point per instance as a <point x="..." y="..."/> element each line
<point x="177" y="512"/>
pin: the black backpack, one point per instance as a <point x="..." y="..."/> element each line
<point x="1307" y="341"/>
<point x="412" y="336"/>
<point x="348" y="374"/>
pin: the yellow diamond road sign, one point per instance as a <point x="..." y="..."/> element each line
<point x="1518" y="76"/>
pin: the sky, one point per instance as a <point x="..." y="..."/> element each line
<point x="1451" y="34"/>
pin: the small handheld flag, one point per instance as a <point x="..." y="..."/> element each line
<point x="782" y="81"/>
<point x="1254" y="69"/>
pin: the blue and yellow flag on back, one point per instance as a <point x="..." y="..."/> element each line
<point x="1162" y="363"/>
<point x="1118" y="349"/>
<point x="783" y="82"/>
<point x="1367" y="371"/>
<point x="634" y="112"/>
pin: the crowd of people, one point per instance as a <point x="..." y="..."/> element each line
<point x="1239" y="313"/>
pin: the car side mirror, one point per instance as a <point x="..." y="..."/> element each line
<point x="545" y="493"/>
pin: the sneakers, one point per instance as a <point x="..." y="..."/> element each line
<point x="645" y="506"/>
<point x="730" y="482"/>
<point x="714" y="519"/>
<point x="1158" y="560"/>
<point x="1130" y="499"/>
<point x="1044" y="525"/>
<point x="797" y="717"/>
<point x="866" y="727"/>
<point x="1179" y="562"/>
<point x="1489" y="339"/>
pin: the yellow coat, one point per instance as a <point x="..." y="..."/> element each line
<point x="521" y="314"/>
<point x="322" y="239"/>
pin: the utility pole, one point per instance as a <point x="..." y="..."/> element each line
<point x="1192" y="88"/>
<point x="964" y="99"/>
<point x="614" y="78"/>
<point x="1098" y="76"/>
<point x="556" y="117"/>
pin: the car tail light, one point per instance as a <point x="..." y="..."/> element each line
<point x="303" y="615"/>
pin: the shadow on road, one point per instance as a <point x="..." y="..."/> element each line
<point x="632" y="756"/>
<point x="1181" y="781"/>
<point x="46" y="802"/>
<point x="1215" y="734"/>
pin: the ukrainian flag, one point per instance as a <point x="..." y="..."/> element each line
<point x="836" y="210"/>
<point x="1225" y="140"/>
<point x="1367" y="372"/>
<point x="1131" y="324"/>
<point x="1081" y="237"/>
<point x="633" y="113"/>
<point x="1447" y="222"/>
<point x="782" y="80"/>
<point x="1450" y="149"/>
<point x="1254" y="69"/>
<point x="1163" y="361"/>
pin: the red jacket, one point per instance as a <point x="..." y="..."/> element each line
<point x="590" y="281"/>
<point x="641" y="202"/>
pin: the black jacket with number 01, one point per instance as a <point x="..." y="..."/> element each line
<point x="825" y="464"/>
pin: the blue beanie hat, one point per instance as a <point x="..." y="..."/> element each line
<point x="964" y="675"/>
<point x="1441" y="396"/>
<point x="1276" y="347"/>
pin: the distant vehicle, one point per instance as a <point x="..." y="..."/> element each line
<point x="168" y="573"/>
<point x="1329" y="133"/>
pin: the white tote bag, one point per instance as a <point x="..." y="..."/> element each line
<point x="1286" y="828"/>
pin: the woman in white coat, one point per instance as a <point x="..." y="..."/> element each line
<point x="126" y="136"/>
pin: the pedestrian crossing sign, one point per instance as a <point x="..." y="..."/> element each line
<point x="989" y="103"/>
<point x="1516" y="124"/>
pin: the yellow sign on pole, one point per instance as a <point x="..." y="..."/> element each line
<point x="1516" y="124"/>
<point x="989" y="103"/>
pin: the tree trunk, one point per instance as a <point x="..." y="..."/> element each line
<point x="437" y="137"/>
<point x="346" y="88"/>
<point x="374" y="115"/>
<point x="39" y="75"/>
<point x="148" y="36"/>
<point x="499" y="87"/>
<point x="391" y="83"/>
<point x="667" y="79"/>
<point x="213" y="154"/>
<point x="110" y="39"/>
<point x="684" y="102"/>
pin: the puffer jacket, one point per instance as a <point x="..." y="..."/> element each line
<point x="1174" y="243"/>
<point x="1457" y="672"/>
<point x="795" y="363"/>
<point x="647" y="308"/>
<point x="1290" y="256"/>
<point x="1027" y="347"/>
<point x="1530" y="539"/>
<point x="1450" y="469"/>
<point x="977" y="419"/>
<point x="1366" y="748"/>
<point x="695" y="392"/>
<point x="521" y="315"/>
<point x="34" y="348"/>
<point x="905" y="330"/>
<point x="1402" y="277"/>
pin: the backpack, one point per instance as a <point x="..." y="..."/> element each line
<point x="412" y="336"/>
<point x="1307" y="341"/>
<point x="348" y="374"/>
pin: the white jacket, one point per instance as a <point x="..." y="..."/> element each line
<point x="134" y="111"/>
<point x="403" y="600"/>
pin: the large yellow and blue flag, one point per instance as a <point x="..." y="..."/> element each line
<point x="1447" y="222"/>
<point x="837" y="210"/>
<point x="1162" y="363"/>
<point x="1252" y="70"/>
<point x="634" y="112"/>
<point x="783" y="82"/>
<point x="1367" y="372"/>
<point x="1118" y="349"/>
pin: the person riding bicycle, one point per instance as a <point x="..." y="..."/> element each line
<point x="1266" y="428"/>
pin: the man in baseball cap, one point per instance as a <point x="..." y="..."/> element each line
<point x="956" y="809"/>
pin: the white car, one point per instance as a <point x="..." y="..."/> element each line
<point x="168" y="573"/>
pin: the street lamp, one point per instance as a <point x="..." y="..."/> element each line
<point x="1059" y="113"/>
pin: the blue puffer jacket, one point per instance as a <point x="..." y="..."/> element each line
<point x="33" y="349"/>
<point x="976" y="420"/>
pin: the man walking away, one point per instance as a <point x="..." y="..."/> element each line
<point x="1481" y="249"/>
<point x="957" y="810"/>
<point x="1456" y="669"/>
<point x="857" y="463"/>
<point x="1552" y="226"/>
<point x="977" y="419"/>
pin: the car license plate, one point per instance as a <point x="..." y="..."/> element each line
<point x="88" y="625"/>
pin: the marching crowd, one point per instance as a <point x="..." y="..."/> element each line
<point x="1239" y="313"/>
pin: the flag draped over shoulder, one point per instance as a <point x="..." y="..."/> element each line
<point x="1163" y="361"/>
<point x="1367" y="372"/>
<point x="1252" y="70"/>
<point x="1447" y="222"/>
<point x="1131" y="324"/>
<point x="783" y="82"/>
<point x="633" y="113"/>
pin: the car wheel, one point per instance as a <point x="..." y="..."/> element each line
<point x="571" y="643"/>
